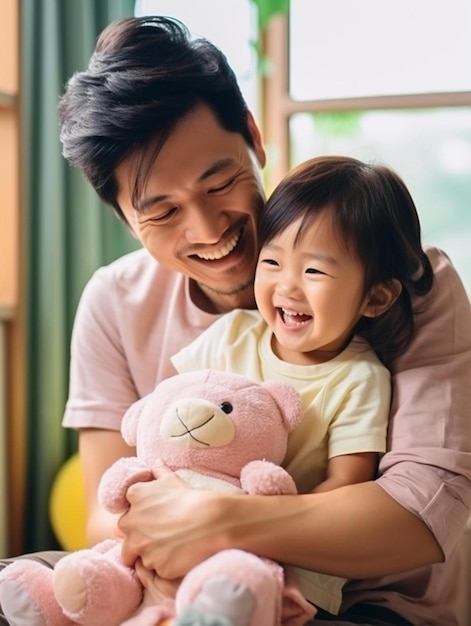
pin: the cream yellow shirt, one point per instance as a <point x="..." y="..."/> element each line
<point x="346" y="406"/>
<point x="134" y="314"/>
<point x="346" y="400"/>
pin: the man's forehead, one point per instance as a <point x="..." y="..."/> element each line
<point x="197" y="149"/>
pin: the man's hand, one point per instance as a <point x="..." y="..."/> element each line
<point x="158" y="590"/>
<point x="169" y="525"/>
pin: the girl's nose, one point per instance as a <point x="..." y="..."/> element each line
<point x="288" y="287"/>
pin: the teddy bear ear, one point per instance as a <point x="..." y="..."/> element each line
<point x="130" y="421"/>
<point x="288" y="401"/>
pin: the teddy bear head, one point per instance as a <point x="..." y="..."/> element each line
<point x="213" y="422"/>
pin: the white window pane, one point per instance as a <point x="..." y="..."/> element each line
<point x="230" y="24"/>
<point x="351" y="48"/>
<point x="430" y="149"/>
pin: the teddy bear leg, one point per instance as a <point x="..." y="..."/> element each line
<point x="96" y="589"/>
<point x="193" y="617"/>
<point x="221" y="601"/>
<point x="232" y="585"/>
<point x="27" y="595"/>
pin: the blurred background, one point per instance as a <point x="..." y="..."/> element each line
<point x="382" y="80"/>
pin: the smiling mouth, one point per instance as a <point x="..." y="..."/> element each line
<point x="293" y="319"/>
<point x="222" y="251"/>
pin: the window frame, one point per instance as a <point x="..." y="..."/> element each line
<point x="277" y="105"/>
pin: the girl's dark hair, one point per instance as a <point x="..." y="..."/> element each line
<point x="376" y="217"/>
<point x="145" y="75"/>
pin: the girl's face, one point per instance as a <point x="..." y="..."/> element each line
<point x="310" y="292"/>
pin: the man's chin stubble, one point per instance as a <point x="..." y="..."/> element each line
<point x="244" y="288"/>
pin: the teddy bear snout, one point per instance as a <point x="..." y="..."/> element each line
<point x="197" y="423"/>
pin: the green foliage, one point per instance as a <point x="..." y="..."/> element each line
<point x="269" y="8"/>
<point x="337" y="123"/>
<point x="266" y="10"/>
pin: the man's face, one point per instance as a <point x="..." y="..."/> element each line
<point x="198" y="211"/>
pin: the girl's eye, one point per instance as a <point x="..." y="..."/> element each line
<point x="312" y="270"/>
<point x="269" y="261"/>
<point x="226" y="407"/>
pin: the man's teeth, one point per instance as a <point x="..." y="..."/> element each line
<point x="223" y="250"/>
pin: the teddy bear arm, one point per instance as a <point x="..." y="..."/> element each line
<point x="118" y="478"/>
<point x="266" y="478"/>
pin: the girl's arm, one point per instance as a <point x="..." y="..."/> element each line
<point x="348" y="469"/>
<point x="411" y="516"/>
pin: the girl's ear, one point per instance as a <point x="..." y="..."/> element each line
<point x="381" y="297"/>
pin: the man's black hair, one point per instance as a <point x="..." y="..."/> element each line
<point x="145" y="75"/>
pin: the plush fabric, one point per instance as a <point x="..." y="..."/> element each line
<point x="217" y="430"/>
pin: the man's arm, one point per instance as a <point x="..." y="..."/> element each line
<point x="427" y="467"/>
<point x="412" y="516"/>
<point x="355" y="531"/>
<point x="99" y="449"/>
<point x="101" y="389"/>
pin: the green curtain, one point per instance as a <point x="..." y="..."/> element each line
<point x="66" y="230"/>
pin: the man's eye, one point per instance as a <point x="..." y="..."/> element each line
<point x="161" y="217"/>
<point x="223" y="187"/>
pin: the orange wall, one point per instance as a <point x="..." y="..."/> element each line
<point x="9" y="195"/>
<point x="8" y="207"/>
<point x="11" y="305"/>
<point x="9" y="46"/>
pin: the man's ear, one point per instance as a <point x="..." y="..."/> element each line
<point x="257" y="139"/>
<point x="381" y="297"/>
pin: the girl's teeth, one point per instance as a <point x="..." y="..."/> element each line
<point x="292" y="313"/>
<point x="294" y="318"/>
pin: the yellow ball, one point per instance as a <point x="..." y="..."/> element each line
<point x="67" y="505"/>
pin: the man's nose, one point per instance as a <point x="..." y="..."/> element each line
<point x="203" y="226"/>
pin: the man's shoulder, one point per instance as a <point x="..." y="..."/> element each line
<point x="443" y="268"/>
<point x="135" y="280"/>
<point x="133" y="270"/>
<point x="128" y="266"/>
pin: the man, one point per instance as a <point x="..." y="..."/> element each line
<point x="159" y="127"/>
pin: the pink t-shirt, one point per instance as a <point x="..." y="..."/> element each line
<point x="132" y="317"/>
<point x="135" y="314"/>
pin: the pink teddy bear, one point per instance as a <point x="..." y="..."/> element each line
<point x="216" y="430"/>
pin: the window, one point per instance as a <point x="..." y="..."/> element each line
<point x="384" y="81"/>
<point x="230" y="24"/>
<point x="370" y="48"/>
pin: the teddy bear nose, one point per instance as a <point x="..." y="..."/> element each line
<point x="194" y="417"/>
<point x="197" y="423"/>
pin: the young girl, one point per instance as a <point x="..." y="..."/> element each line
<point x="340" y="260"/>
